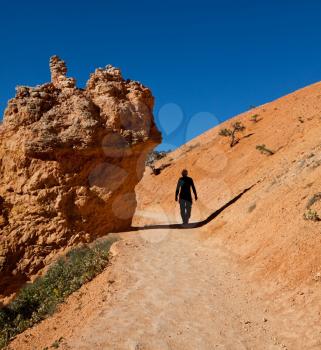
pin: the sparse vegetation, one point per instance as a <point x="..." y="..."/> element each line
<point x="315" y="198"/>
<point x="56" y="343"/>
<point x="154" y="156"/>
<point x="157" y="171"/>
<point x="38" y="300"/>
<point x="191" y="146"/>
<point x="311" y="215"/>
<point x="232" y="133"/>
<point x="264" y="150"/>
<point x="254" y="118"/>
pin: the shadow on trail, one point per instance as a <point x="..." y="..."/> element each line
<point x="194" y="224"/>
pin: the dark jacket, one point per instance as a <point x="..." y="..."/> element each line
<point x="183" y="188"/>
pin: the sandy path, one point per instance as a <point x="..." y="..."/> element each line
<point x="164" y="290"/>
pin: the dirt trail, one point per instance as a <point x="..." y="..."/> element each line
<point x="165" y="289"/>
<point x="173" y="302"/>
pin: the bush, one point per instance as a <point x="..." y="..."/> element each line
<point x="154" y="156"/>
<point x="264" y="150"/>
<point x="254" y="118"/>
<point x="231" y="133"/>
<point x="38" y="300"/>
<point x="312" y="215"/>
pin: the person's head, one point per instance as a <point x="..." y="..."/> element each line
<point x="184" y="172"/>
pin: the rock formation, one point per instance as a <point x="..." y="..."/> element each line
<point x="70" y="160"/>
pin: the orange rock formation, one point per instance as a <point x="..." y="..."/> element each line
<point x="70" y="160"/>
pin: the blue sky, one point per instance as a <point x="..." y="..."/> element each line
<point x="205" y="61"/>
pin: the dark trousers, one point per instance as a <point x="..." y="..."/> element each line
<point x="186" y="207"/>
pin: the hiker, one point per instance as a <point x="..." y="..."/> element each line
<point x="183" y="191"/>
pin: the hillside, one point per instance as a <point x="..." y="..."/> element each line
<point x="249" y="278"/>
<point x="265" y="228"/>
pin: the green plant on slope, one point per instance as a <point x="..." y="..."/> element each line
<point x="254" y="118"/>
<point x="38" y="300"/>
<point x="232" y="133"/>
<point x="154" y="156"/>
<point x="264" y="150"/>
<point x="56" y="343"/>
<point x="311" y="215"/>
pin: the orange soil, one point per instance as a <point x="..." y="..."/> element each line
<point x="249" y="279"/>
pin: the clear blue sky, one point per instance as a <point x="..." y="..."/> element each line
<point x="205" y="61"/>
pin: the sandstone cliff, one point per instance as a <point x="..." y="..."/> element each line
<point x="70" y="160"/>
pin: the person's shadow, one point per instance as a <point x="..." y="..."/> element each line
<point x="193" y="224"/>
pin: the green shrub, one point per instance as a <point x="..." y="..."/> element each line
<point x="154" y="156"/>
<point x="254" y="118"/>
<point x="311" y="215"/>
<point x="264" y="150"/>
<point x="38" y="300"/>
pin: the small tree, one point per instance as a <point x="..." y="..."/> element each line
<point x="231" y="133"/>
<point x="264" y="150"/>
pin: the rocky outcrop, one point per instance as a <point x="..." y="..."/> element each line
<point x="70" y="161"/>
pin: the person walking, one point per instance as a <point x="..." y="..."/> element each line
<point x="183" y="193"/>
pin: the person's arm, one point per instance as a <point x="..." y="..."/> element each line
<point x="177" y="189"/>
<point x="194" y="190"/>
